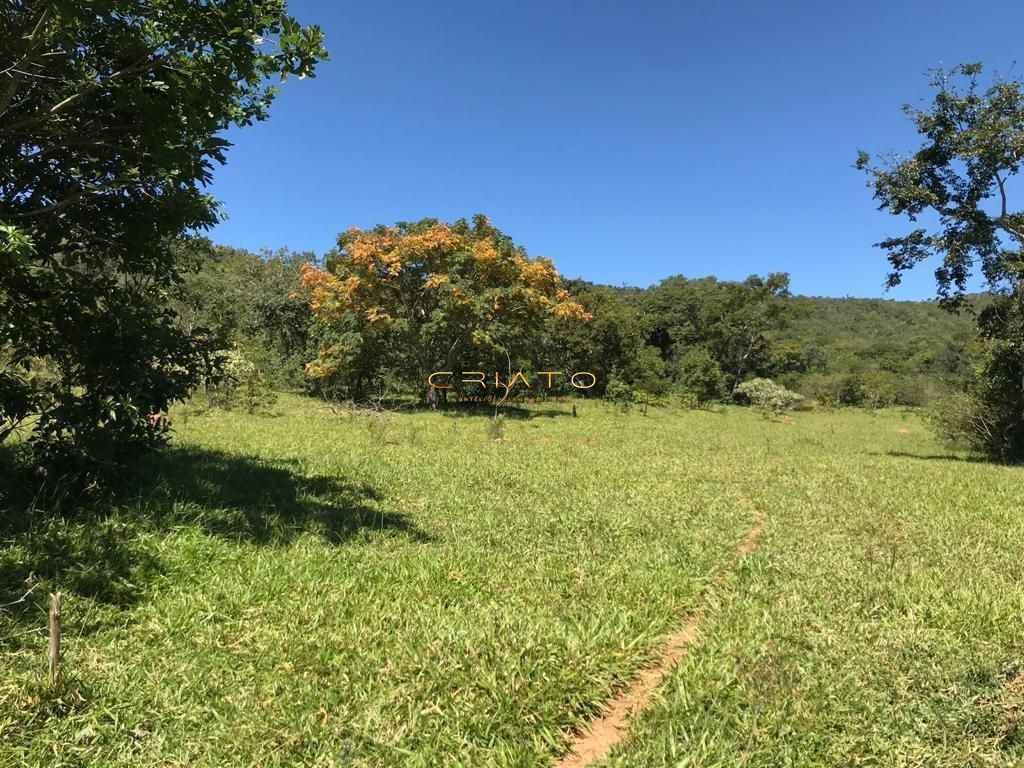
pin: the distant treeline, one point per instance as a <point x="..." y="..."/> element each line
<point x="696" y="337"/>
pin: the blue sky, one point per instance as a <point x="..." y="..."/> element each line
<point x="626" y="140"/>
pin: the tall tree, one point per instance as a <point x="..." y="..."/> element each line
<point x="613" y="345"/>
<point x="730" y="320"/>
<point x="405" y="301"/>
<point x="973" y="144"/>
<point x="111" y="114"/>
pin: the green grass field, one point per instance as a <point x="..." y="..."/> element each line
<point x="305" y="588"/>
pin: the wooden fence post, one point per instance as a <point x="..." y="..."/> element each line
<point x="54" y="639"/>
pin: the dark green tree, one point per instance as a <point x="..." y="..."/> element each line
<point x="972" y="146"/>
<point x="248" y="302"/>
<point x="111" y="115"/>
<point x="701" y="376"/>
<point x="732" y="321"/>
<point x="612" y="345"/>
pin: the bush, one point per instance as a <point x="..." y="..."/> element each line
<point x="644" y="399"/>
<point x="989" y="415"/>
<point x="823" y="388"/>
<point x="962" y="420"/>
<point x="244" y="385"/>
<point x="619" y="393"/>
<point x="878" y="389"/>
<point x="765" y="393"/>
<point x="702" y="377"/>
<point x="1000" y="384"/>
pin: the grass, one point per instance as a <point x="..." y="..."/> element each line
<point x="306" y="589"/>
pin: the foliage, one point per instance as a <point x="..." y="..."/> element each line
<point x="111" y="116"/>
<point x="766" y="394"/>
<point x="250" y="302"/>
<point x="999" y="387"/>
<point x="701" y="376"/>
<point x="244" y="384"/>
<point x="620" y="393"/>
<point x="731" y="321"/>
<point x="972" y="145"/>
<point x="962" y="420"/>
<point x="612" y="345"/>
<point x="416" y="298"/>
<point x="861" y="352"/>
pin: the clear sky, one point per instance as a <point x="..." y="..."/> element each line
<point x="626" y="140"/>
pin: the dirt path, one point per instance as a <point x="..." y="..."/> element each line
<point x="607" y="730"/>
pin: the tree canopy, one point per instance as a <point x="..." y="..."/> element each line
<point x="973" y="143"/>
<point x="971" y="150"/>
<point x="415" y="298"/>
<point x="111" y="114"/>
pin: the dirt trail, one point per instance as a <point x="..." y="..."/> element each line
<point x="607" y="730"/>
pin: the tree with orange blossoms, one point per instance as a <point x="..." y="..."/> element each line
<point x="396" y="303"/>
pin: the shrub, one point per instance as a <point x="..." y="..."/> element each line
<point x="878" y="389"/>
<point x="823" y="388"/>
<point x="1000" y="381"/>
<point x="963" y="420"/>
<point x="765" y="393"/>
<point x="644" y="399"/>
<point x="702" y="377"/>
<point x="244" y="385"/>
<point x="619" y="393"/>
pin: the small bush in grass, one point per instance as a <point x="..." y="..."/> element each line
<point x="766" y="394"/>
<point x="619" y="393"/>
<point x="702" y="377"/>
<point x="245" y="385"/>
<point x="496" y="427"/>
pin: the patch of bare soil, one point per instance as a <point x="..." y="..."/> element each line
<point x="1011" y="707"/>
<point x="607" y="730"/>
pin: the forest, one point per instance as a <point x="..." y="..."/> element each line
<point x="692" y="339"/>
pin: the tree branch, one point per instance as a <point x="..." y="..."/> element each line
<point x="46" y="209"/>
<point x="33" y="45"/>
<point x="131" y="69"/>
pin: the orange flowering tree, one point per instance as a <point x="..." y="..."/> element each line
<point x="397" y="303"/>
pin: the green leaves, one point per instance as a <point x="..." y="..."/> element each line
<point x="107" y="141"/>
<point x="972" y="149"/>
<point x="973" y="143"/>
<point x="16" y="247"/>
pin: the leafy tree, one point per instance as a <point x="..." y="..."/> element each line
<point x="1000" y="386"/>
<point x="730" y="320"/>
<point x="613" y="345"/>
<point x="701" y="376"/>
<point x="249" y="302"/>
<point x="412" y="299"/>
<point x="973" y="143"/>
<point x="110" y="119"/>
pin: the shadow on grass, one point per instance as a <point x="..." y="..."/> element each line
<point x="969" y="459"/>
<point x="241" y="497"/>
<point x="110" y="553"/>
<point x="541" y="411"/>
